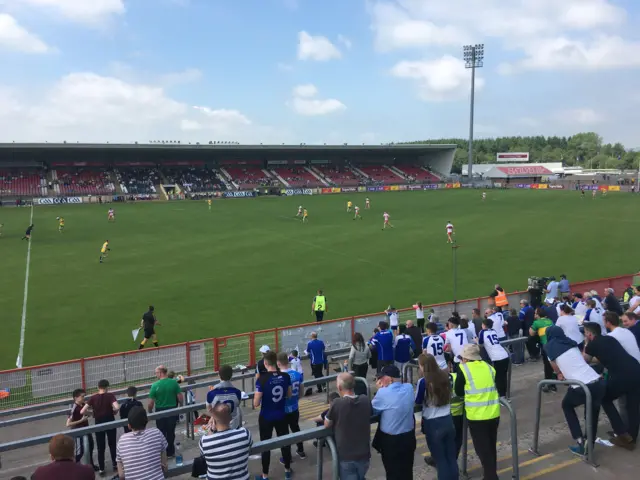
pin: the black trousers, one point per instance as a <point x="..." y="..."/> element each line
<point x="421" y="324"/>
<point x="266" y="428"/>
<point x="319" y="315"/>
<point x="80" y="447"/>
<point x="615" y="389"/>
<point x="317" y="371"/>
<point x="397" y="453"/>
<point x="167" y="426"/>
<point x="361" y="370"/>
<point x="484" y="434"/>
<point x="502" y="370"/>
<point x="548" y="369"/>
<point x="533" y="345"/>
<point x="293" y="422"/>
<point x="458" y="422"/>
<point x="111" y="438"/>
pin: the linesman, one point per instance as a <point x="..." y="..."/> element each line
<point x="148" y="324"/>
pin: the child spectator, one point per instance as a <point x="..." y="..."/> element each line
<point x="77" y="419"/>
<point x="294" y="361"/>
<point x="128" y="404"/>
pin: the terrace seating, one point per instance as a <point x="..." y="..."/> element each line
<point x="138" y="180"/>
<point x="381" y="175"/>
<point x="340" y="176"/>
<point x="298" y="177"/>
<point x="251" y="177"/>
<point x="417" y="174"/>
<point x="194" y="179"/>
<point x="22" y="182"/>
<point x="83" y="182"/>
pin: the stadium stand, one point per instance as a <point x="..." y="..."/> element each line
<point x="380" y="175"/>
<point x="250" y="177"/>
<point x="298" y="177"/>
<point x="340" y="175"/>
<point x="82" y="182"/>
<point x="22" y="182"/>
<point x="418" y="174"/>
<point x="194" y="179"/>
<point x="138" y="180"/>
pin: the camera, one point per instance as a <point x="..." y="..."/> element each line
<point x="537" y="283"/>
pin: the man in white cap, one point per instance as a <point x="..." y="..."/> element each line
<point x="260" y="368"/>
<point x="476" y="383"/>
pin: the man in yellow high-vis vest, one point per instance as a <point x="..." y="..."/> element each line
<point x="319" y="305"/>
<point x="476" y="382"/>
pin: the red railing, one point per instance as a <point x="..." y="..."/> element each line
<point x="42" y="383"/>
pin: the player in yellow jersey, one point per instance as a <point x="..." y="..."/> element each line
<point x="209" y="202"/>
<point x="349" y="205"/>
<point x="305" y="216"/>
<point x="60" y="224"/>
<point x="104" y="251"/>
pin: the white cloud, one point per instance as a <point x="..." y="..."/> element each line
<point x="224" y="115"/>
<point x="546" y="34"/>
<point x="579" y="116"/>
<point x="316" y="48"/>
<point x="305" y="103"/>
<point x="442" y="79"/>
<point x="345" y="41"/>
<point x="81" y="11"/>
<point x="14" y="37"/>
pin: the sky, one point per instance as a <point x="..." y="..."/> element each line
<point x="316" y="71"/>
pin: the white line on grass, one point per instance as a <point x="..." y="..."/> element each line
<point x="23" y="324"/>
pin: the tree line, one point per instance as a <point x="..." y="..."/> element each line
<point x="583" y="149"/>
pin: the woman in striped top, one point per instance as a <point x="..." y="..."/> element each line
<point x="226" y="450"/>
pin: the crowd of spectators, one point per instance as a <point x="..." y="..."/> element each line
<point x="194" y="179"/>
<point x="84" y="181"/>
<point x="251" y="177"/>
<point x="138" y="180"/>
<point x="340" y="175"/>
<point x="22" y="182"/>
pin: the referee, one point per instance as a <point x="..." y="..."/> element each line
<point x="319" y="306"/>
<point x="148" y="323"/>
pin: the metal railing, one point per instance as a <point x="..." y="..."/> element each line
<point x="590" y="458"/>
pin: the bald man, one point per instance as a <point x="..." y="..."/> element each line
<point x="416" y="335"/>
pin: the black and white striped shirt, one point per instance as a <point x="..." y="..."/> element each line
<point x="140" y="454"/>
<point x="227" y="454"/>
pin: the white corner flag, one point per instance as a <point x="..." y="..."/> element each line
<point x="134" y="333"/>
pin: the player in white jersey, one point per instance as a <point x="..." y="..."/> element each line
<point x="299" y="214"/>
<point x="450" y="232"/>
<point x="367" y="203"/>
<point x="357" y="213"/>
<point x="386" y="220"/>
<point x="456" y="339"/>
<point x="594" y="193"/>
<point x="111" y="216"/>
<point x="433" y="344"/>
<point x="484" y="196"/>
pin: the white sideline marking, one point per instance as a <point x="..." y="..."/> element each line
<point x="23" y="324"/>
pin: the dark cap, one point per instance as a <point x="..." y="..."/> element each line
<point x="389" y="371"/>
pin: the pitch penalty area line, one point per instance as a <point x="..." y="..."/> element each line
<point x="23" y="323"/>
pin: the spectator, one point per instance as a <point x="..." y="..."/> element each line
<point x="128" y="404"/>
<point x="455" y="341"/>
<point x="498" y="322"/>
<point x="226" y="449"/>
<point x="476" y="318"/>
<point x="623" y="380"/>
<point x="513" y="331"/>
<point x="550" y="309"/>
<point x="434" y="395"/>
<point x="499" y="357"/>
<point x="568" y="363"/>
<point x="359" y="356"/>
<point x="272" y="390"/>
<point x="469" y="328"/>
<point x="104" y="406"/>
<point x="141" y="452"/>
<point x="416" y="335"/>
<point x="165" y="394"/>
<point x="624" y="336"/>
<point x="63" y="466"/>
<point x="225" y="392"/>
<point x="393" y="318"/>
<point x="628" y="293"/>
<point x="350" y="417"/>
<point x="482" y="407"/>
<point x="433" y="344"/>
<point x="294" y="361"/>
<point x="78" y="420"/>
<point x="595" y="314"/>
<point x="260" y="368"/>
<point x="634" y="303"/>
<point x="372" y="344"/>
<point x="539" y="328"/>
<point x="383" y="346"/>
<point x="292" y="413"/>
<point x="317" y="357"/>
<point x="403" y="349"/>
<point x="630" y="322"/>
<point x="594" y="295"/>
<point x="563" y="286"/>
<point x="395" y="438"/>
<point x="552" y="290"/>
<point x="526" y="316"/>
<point x="419" y="316"/>
<point x="611" y="303"/>
<point x="579" y="304"/>
<point x="569" y="324"/>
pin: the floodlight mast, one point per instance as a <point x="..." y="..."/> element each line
<point x="473" y="58"/>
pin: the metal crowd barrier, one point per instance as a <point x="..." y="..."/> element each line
<point x="590" y="458"/>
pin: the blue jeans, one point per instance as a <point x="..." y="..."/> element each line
<point x="355" y="470"/>
<point x="441" y="440"/>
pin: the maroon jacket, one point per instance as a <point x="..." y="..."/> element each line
<point x="64" y="470"/>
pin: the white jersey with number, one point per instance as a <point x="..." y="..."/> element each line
<point x="489" y="340"/>
<point x="457" y="339"/>
<point x="434" y="345"/>
<point x="357" y="210"/>
<point x="449" y="228"/>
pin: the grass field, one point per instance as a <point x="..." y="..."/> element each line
<point x="249" y="264"/>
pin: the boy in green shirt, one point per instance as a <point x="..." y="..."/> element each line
<point x="539" y="328"/>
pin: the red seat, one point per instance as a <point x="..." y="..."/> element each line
<point x="418" y="174"/>
<point x="21" y="182"/>
<point x="298" y="177"/>
<point x="381" y="175"/>
<point x="341" y="176"/>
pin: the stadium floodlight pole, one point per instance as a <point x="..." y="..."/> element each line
<point x="473" y="58"/>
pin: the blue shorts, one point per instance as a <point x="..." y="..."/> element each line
<point x="394" y="327"/>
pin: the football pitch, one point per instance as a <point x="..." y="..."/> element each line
<point x="249" y="264"/>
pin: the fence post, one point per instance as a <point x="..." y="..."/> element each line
<point x="514" y="439"/>
<point x="353" y="326"/>
<point x="82" y="374"/>
<point x="252" y="349"/>
<point x="277" y="339"/>
<point x="188" y="348"/>
<point x="216" y="355"/>
<point x="335" y="459"/>
<point x="319" y="458"/>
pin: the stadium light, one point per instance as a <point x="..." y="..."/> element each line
<point x="473" y="58"/>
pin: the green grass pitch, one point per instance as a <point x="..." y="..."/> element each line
<point x="249" y="264"/>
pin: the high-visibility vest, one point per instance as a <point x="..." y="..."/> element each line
<point x="501" y="299"/>
<point x="320" y="303"/>
<point x="481" y="400"/>
<point x="457" y="403"/>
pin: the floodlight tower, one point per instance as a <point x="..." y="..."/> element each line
<point x="473" y="58"/>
